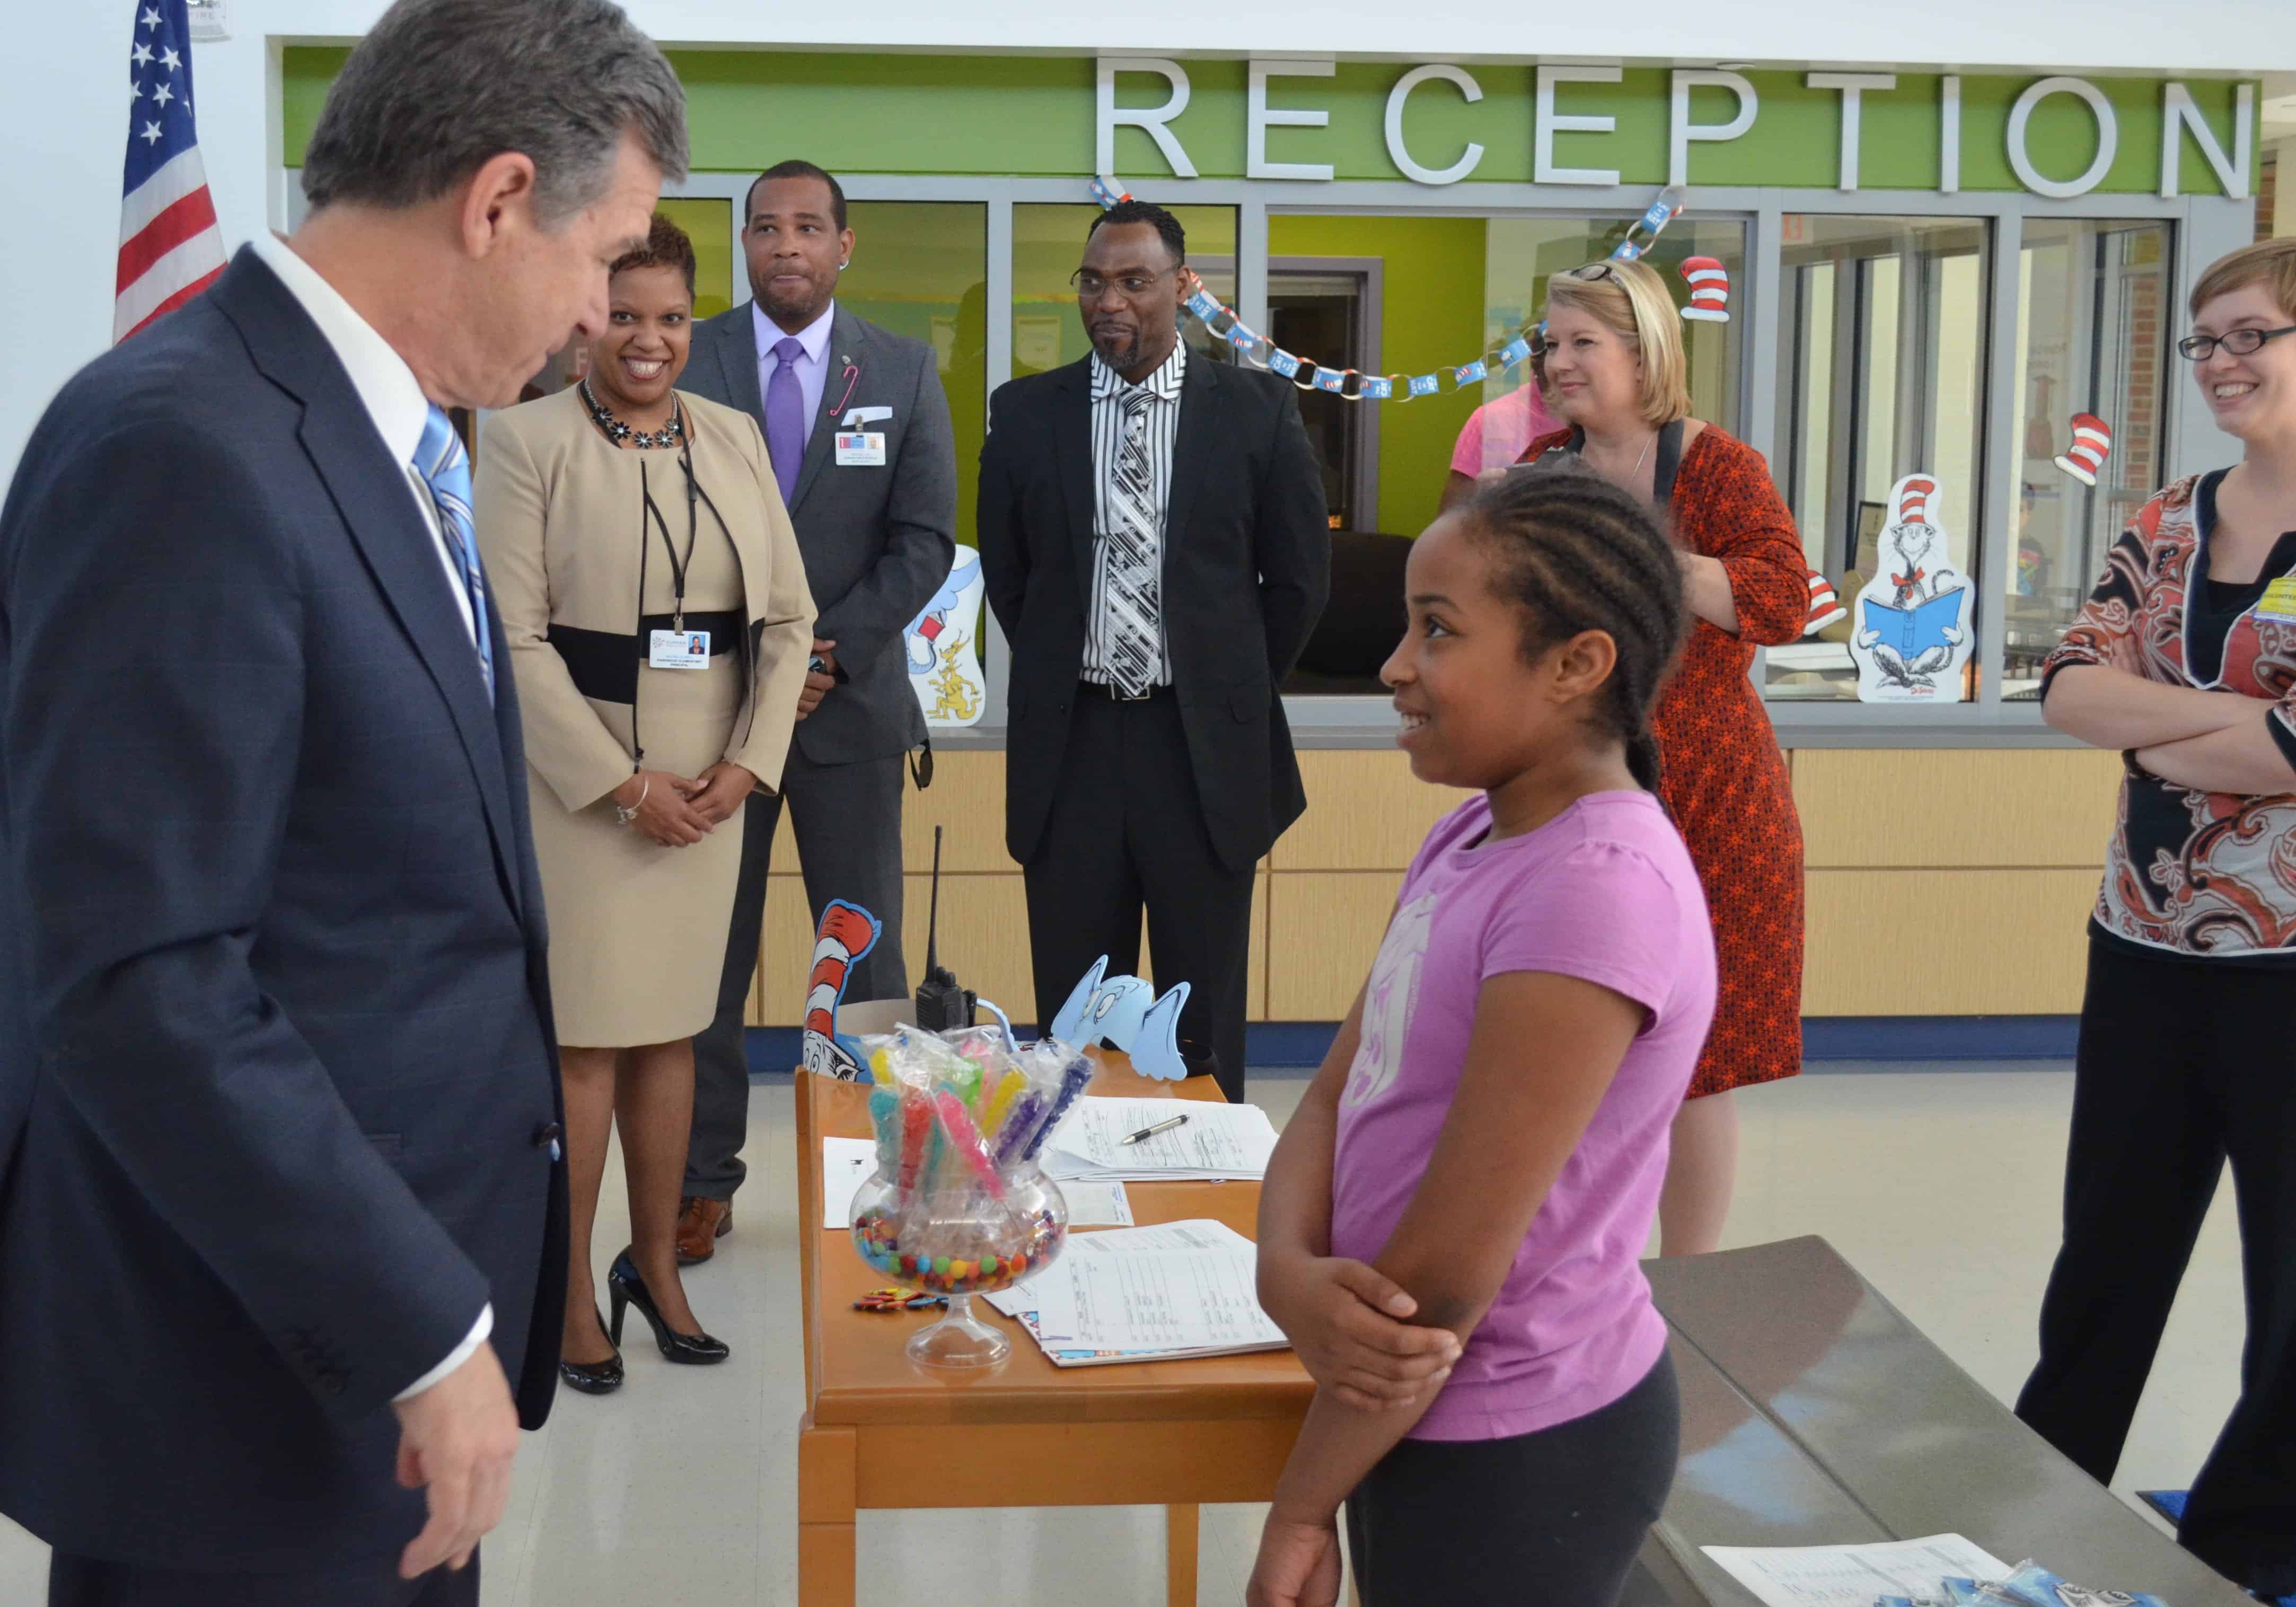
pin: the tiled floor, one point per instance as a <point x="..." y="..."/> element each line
<point x="1941" y="1187"/>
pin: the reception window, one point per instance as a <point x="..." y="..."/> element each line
<point x="1891" y="345"/>
<point x="2093" y="300"/>
<point x="921" y="269"/>
<point x="1881" y="350"/>
<point x="1408" y="294"/>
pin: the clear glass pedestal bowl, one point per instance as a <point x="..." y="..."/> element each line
<point x="958" y="1240"/>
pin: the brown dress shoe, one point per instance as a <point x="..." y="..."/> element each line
<point x="701" y="1224"/>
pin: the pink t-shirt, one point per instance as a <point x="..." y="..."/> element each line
<point x="1496" y="432"/>
<point x="1604" y="892"/>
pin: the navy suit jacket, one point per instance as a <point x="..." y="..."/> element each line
<point x="277" y="1083"/>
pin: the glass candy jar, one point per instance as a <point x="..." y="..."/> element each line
<point x="958" y="1239"/>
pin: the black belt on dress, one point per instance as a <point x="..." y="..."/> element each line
<point x="604" y="664"/>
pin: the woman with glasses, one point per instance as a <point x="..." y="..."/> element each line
<point x="2184" y="660"/>
<point x="1611" y="364"/>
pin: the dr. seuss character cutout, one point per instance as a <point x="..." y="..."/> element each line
<point x="1913" y="630"/>
<point x="848" y="935"/>
<point x="944" y="671"/>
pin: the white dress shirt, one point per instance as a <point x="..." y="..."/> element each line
<point x="396" y="403"/>
<point x="1109" y="392"/>
<point x="812" y="367"/>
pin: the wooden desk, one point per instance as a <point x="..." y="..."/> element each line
<point x="881" y="1432"/>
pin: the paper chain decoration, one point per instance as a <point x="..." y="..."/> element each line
<point x="1710" y="296"/>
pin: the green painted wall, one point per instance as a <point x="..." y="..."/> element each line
<point x="1432" y="313"/>
<point x="1033" y="115"/>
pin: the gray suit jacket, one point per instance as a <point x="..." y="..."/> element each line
<point x="877" y="542"/>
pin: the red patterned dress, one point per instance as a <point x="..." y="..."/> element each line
<point x="1724" y="779"/>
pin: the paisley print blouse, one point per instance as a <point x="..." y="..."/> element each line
<point x="2187" y="872"/>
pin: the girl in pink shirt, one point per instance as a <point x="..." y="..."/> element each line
<point x="1451" y="1226"/>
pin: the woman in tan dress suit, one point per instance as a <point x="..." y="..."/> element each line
<point x="658" y="622"/>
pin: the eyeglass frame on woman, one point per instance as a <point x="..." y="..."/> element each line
<point x="1587" y="273"/>
<point x="1103" y="286"/>
<point x="2200" y="349"/>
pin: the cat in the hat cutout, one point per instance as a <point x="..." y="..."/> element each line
<point x="848" y="935"/>
<point x="1912" y="634"/>
<point x="1709" y="291"/>
<point x="2092" y="445"/>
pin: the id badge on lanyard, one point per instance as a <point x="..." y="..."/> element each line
<point x="679" y="650"/>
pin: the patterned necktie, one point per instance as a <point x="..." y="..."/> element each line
<point x="785" y="416"/>
<point x="445" y="469"/>
<point x="1132" y="595"/>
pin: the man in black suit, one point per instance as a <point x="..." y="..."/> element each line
<point x="283" y="1231"/>
<point x="1155" y="544"/>
<point x="876" y="526"/>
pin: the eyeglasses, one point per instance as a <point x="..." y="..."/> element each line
<point x="1091" y="287"/>
<point x="2240" y="342"/>
<point x="1594" y="273"/>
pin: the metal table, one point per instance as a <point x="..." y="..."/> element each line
<point x="1813" y="1414"/>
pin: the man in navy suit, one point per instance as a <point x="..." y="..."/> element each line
<point x="283" y="1223"/>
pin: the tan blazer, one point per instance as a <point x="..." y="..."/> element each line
<point x="559" y="531"/>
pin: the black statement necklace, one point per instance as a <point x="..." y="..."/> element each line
<point x="617" y="431"/>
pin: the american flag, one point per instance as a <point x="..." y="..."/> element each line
<point x="169" y="247"/>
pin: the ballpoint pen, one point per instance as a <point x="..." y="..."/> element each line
<point x="1161" y="1126"/>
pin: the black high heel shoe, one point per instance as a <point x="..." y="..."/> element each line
<point x="627" y="1288"/>
<point x="593" y="1378"/>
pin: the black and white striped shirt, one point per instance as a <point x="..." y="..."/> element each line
<point x="1108" y="424"/>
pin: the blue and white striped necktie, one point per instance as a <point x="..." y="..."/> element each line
<point x="445" y="467"/>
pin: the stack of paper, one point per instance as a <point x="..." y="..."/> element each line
<point x="1216" y="1142"/>
<point x="1146" y="1294"/>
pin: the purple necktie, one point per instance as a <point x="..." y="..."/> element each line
<point x="785" y="416"/>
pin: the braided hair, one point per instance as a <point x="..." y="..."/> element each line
<point x="1575" y="554"/>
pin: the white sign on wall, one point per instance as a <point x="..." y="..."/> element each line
<point x="1587" y="111"/>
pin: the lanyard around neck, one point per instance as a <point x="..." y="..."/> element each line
<point x="678" y="567"/>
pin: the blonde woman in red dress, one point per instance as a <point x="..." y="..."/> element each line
<point x="1612" y="369"/>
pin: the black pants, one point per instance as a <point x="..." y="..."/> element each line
<point x="847" y="822"/>
<point x="1547" y="1519"/>
<point x="1126" y="831"/>
<point x="74" y="1581"/>
<point x="2181" y="1065"/>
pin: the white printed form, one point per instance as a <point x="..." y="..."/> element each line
<point x="1853" y="1576"/>
<point x="1194" y="1291"/>
<point x="1215" y="1141"/>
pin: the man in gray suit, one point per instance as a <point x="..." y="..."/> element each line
<point x="858" y="431"/>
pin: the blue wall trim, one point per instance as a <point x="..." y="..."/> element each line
<point x="1300" y="1045"/>
<point x="1900" y="1038"/>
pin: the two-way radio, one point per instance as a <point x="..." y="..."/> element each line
<point x="942" y="1005"/>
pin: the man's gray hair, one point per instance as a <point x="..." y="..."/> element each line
<point x="440" y="87"/>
